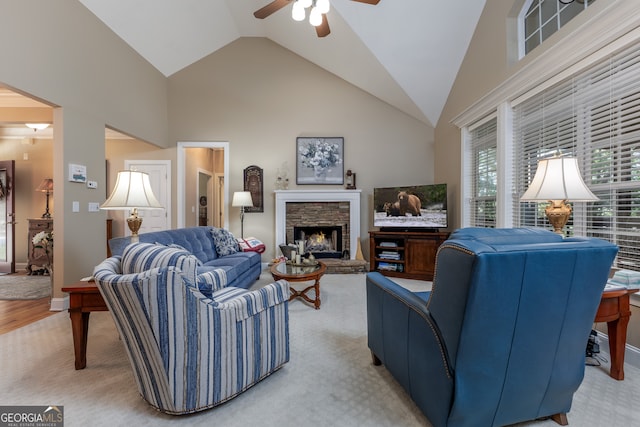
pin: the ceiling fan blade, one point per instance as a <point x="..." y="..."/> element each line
<point x="323" y="30"/>
<point x="374" y="2"/>
<point x="272" y="7"/>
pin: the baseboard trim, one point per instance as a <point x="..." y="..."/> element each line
<point x="631" y="353"/>
<point x="59" y="304"/>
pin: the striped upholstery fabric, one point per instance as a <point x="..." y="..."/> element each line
<point x="211" y="281"/>
<point x="138" y="257"/>
<point x="190" y="352"/>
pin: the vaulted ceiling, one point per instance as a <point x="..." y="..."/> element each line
<point x="405" y="52"/>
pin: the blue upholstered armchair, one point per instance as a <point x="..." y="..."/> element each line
<point x="193" y="342"/>
<point x="501" y="337"/>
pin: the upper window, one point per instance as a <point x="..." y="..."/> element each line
<point x="541" y="18"/>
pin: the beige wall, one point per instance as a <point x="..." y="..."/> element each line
<point x="259" y="97"/>
<point x="62" y="54"/>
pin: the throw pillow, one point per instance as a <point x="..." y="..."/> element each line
<point x="226" y="244"/>
<point x="139" y="257"/>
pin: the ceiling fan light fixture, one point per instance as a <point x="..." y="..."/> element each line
<point x="323" y="6"/>
<point x="297" y="12"/>
<point x="315" y="17"/>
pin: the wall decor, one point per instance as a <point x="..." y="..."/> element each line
<point x="320" y="160"/>
<point x="77" y="173"/>
<point x="253" y="182"/>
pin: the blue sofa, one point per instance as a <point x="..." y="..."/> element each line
<point x="501" y="337"/>
<point x="242" y="268"/>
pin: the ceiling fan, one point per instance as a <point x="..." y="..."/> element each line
<point x="322" y="26"/>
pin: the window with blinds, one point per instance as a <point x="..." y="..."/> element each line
<point x="484" y="163"/>
<point x="594" y="116"/>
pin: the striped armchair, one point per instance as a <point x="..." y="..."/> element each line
<point x="190" y="352"/>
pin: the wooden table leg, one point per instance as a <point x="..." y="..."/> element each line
<point x="303" y="294"/>
<point x="316" y="302"/>
<point x="80" y="330"/>
<point x="617" y="330"/>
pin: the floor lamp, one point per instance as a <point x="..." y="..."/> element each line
<point x="558" y="180"/>
<point x="242" y="199"/>
<point x="132" y="192"/>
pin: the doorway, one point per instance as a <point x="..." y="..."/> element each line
<point x="183" y="206"/>
<point x="204" y="196"/>
<point x="7" y="217"/>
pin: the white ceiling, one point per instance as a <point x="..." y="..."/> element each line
<point x="405" y="52"/>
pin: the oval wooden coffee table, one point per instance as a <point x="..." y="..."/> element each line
<point x="293" y="273"/>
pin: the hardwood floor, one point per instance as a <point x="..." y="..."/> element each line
<point x="16" y="314"/>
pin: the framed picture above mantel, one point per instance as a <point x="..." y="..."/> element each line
<point x="320" y="160"/>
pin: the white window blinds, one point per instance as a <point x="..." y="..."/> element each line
<point x="594" y="116"/>
<point x="484" y="174"/>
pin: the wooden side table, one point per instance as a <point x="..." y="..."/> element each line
<point x="84" y="297"/>
<point x="614" y="309"/>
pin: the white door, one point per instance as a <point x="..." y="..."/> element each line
<point x="160" y="177"/>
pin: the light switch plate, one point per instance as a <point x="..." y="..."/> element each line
<point x="75" y="207"/>
<point x="92" y="184"/>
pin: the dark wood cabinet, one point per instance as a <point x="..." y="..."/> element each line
<point x="37" y="257"/>
<point x="408" y="254"/>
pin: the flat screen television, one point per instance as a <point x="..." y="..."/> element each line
<point x="419" y="207"/>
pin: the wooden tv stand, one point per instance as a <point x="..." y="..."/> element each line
<point x="408" y="254"/>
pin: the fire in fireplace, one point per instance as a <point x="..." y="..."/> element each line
<point x="322" y="242"/>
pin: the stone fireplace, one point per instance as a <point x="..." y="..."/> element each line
<point x="301" y="214"/>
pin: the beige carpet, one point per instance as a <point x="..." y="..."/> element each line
<point x="329" y="381"/>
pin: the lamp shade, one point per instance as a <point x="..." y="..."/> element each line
<point x="242" y="199"/>
<point x="558" y="178"/>
<point x="132" y="190"/>
<point x="46" y="186"/>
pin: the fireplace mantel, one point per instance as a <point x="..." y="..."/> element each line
<point x="285" y="196"/>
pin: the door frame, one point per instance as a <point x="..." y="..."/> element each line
<point x="180" y="178"/>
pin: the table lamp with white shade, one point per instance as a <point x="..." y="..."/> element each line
<point x="558" y="180"/>
<point x="242" y="199"/>
<point x="132" y="192"/>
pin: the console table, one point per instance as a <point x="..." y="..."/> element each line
<point x="84" y="297"/>
<point x="614" y="309"/>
